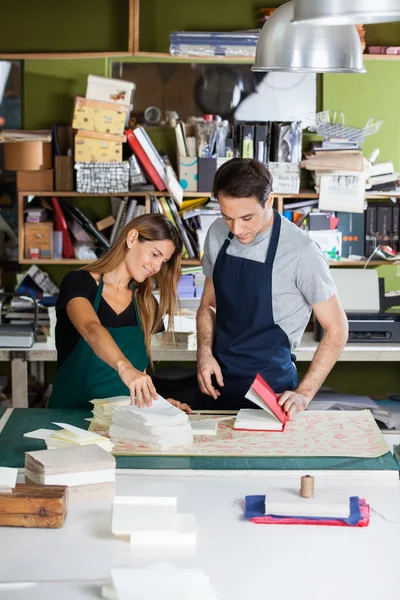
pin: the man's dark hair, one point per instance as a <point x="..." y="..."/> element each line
<point x="243" y="178"/>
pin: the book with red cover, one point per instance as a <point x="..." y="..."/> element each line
<point x="145" y="161"/>
<point x="61" y="225"/>
<point x="271" y="418"/>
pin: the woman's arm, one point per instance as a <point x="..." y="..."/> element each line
<point x="86" y="322"/>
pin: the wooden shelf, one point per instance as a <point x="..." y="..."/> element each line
<point x="381" y="56"/>
<point x="139" y="193"/>
<point x="166" y="57"/>
<point x="53" y="261"/>
<point x="62" y="55"/>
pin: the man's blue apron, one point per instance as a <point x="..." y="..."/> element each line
<point x="247" y="340"/>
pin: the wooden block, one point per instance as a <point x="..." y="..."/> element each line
<point x="104" y="223"/>
<point x="31" y="505"/>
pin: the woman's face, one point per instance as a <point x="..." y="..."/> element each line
<point x="145" y="259"/>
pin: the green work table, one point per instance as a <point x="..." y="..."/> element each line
<point x="15" y="422"/>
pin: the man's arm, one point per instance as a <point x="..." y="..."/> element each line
<point x="332" y="318"/>
<point x="206" y="363"/>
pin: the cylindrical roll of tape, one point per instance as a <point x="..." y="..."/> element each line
<point x="307" y="486"/>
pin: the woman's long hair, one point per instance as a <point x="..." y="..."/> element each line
<point x="150" y="227"/>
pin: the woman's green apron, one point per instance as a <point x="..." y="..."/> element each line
<point x="84" y="377"/>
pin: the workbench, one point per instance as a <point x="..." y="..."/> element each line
<point x="46" y="352"/>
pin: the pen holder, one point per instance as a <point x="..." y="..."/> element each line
<point x="207" y="169"/>
<point x="188" y="173"/>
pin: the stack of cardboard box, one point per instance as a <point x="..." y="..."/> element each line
<point x="100" y="119"/>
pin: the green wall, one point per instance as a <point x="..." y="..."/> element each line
<point x="373" y="94"/>
<point x="57" y="26"/>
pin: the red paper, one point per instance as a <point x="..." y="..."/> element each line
<point x="266" y="394"/>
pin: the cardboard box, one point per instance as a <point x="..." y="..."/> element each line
<point x="27" y="156"/>
<point x="188" y="167"/>
<point x="35" y="181"/>
<point x="103" y="117"/>
<point x="40" y="236"/>
<point x="91" y="146"/>
<point x="110" y="90"/>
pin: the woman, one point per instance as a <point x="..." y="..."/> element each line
<point x="106" y="315"/>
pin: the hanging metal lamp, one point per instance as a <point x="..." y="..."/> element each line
<point x="293" y="48"/>
<point x="342" y="12"/>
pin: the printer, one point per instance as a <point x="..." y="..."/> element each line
<point x="17" y="336"/>
<point x="361" y="293"/>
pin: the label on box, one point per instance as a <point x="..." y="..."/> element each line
<point x="286" y="177"/>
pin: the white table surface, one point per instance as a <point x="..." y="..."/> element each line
<point x="243" y="560"/>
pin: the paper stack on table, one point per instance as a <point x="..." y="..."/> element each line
<point x="153" y="521"/>
<point x="162" y="425"/>
<point x="8" y="479"/>
<point x="68" y="436"/>
<point x="88" y="471"/>
<point x="158" y="580"/>
<point x="102" y="409"/>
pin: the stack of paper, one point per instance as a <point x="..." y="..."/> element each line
<point x="102" y="409"/>
<point x="8" y="479"/>
<point x="162" y="425"/>
<point x="158" y="580"/>
<point x="88" y="472"/>
<point x="271" y="418"/>
<point x="69" y="436"/>
<point x="153" y="521"/>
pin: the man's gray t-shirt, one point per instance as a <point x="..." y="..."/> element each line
<point x="300" y="275"/>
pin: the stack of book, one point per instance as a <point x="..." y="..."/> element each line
<point x="161" y="426"/>
<point x="88" y="472"/>
<point x="187" y="229"/>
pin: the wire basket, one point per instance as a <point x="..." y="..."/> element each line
<point x="330" y="124"/>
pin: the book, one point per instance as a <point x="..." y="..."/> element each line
<point x="145" y="161"/>
<point x="75" y="213"/>
<point x="272" y="417"/>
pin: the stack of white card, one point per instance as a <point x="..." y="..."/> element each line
<point x="102" y="409"/>
<point x="158" y="580"/>
<point x="160" y="426"/>
<point x="88" y="471"/>
<point x="8" y="479"/>
<point x="68" y="436"/>
<point x="153" y="522"/>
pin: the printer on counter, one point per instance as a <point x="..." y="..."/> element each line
<point x="17" y="336"/>
<point x="361" y="293"/>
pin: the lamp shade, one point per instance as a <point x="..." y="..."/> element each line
<point x="289" y="47"/>
<point x="342" y="12"/>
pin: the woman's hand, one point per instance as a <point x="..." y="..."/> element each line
<point x="141" y="388"/>
<point x="185" y="407"/>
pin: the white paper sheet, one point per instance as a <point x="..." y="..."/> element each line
<point x="344" y="191"/>
<point x="40" y="434"/>
<point x="8" y="477"/>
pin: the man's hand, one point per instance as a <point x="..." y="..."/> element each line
<point x="181" y="405"/>
<point x="206" y="367"/>
<point x="293" y="403"/>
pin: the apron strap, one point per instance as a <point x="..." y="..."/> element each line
<point x="273" y="245"/>
<point x="133" y="288"/>
<point x="98" y="295"/>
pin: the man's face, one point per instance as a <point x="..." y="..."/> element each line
<point x="245" y="217"/>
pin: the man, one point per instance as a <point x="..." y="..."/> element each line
<point x="263" y="277"/>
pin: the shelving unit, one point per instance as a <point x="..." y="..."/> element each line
<point x="279" y="203"/>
